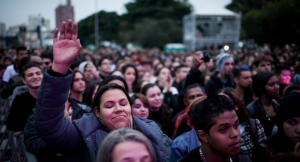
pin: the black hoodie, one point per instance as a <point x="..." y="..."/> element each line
<point x="215" y="83"/>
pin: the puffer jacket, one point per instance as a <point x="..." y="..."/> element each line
<point x="81" y="139"/>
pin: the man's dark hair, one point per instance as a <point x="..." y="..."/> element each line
<point x="281" y="67"/>
<point x="204" y="113"/>
<point x="21" y="48"/>
<point x="48" y="56"/>
<point x="191" y="86"/>
<point x="238" y="72"/>
<point x="73" y="77"/>
<point x="102" y="59"/>
<point x="30" y="65"/>
<point x="75" y="64"/>
<point x="179" y="67"/>
<point x="260" y="59"/>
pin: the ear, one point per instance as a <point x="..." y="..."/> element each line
<point x="185" y="102"/>
<point x="23" y="80"/>
<point x="203" y="136"/>
<point x="236" y="80"/>
<point x="96" y="112"/>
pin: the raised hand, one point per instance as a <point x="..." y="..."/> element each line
<point x="66" y="49"/>
<point x="198" y="59"/>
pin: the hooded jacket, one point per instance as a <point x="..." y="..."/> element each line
<point x="81" y="139"/>
<point x="215" y="83"/>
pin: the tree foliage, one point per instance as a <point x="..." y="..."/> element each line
<point x="276" y="22"/>
<point x="108" y="22"/>
<point x="156" y="33"/>
<point x="161" y="18"/>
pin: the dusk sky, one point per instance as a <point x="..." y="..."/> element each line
<point x="16" y="12"/>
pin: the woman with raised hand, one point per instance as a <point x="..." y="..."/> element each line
<point x="80" y="139"/>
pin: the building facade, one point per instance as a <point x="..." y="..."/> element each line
<point x="63" y="13"/>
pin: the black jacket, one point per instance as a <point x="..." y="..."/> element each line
<point x="20" y="110"/>
<point x="194" y="156"/>
<point x="37" y="146"/>
<point x="215" y="83"/>
<point x="257" y="111"/>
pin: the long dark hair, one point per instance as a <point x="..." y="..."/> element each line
<point x="164" y="114"/>
<point x="88" y="93"/>
<point x="125" y="67"/>
<point x="144" y="100"/>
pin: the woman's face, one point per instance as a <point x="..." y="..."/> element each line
<point x="146" y="76"/>
<point x="115" y="110"/>
<point x="155" y="98"/>
<point x="272" y="87"/>
<point x="291" y="129"/>
<point x="163" y="75"/>
<point x="87" y="74"/>
<point x="140" y="109"/>
<point x="131" y="151"/>
<point x="129" y="75"/>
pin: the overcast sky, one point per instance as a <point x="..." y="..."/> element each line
<point x="16" y="12"/>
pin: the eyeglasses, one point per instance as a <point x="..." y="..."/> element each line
<point x="46" y="63"/>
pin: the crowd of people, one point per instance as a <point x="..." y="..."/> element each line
<point x="73" y="104"/>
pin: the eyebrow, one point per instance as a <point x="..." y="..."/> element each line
<point x="226" y="124"/>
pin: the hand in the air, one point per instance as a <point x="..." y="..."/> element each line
<point x="66" y="48"/>
<point x="198" y="58"/>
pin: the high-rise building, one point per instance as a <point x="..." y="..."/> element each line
<point x="34" y="21"/>
<point x="63" y="13"/>
<point x="2" y="29"/>
<point x="13" y="30"/>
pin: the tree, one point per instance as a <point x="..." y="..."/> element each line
<point x="156" y="33"/>
<point x="276" y="22"/>
<point x="108" y="27"/>
<point x="157" y="9"/>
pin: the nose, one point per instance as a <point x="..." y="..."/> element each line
<point x="118" y="108"/>
<point x="234" y="133"/>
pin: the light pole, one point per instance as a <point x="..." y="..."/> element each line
<point x="96" y="26"/>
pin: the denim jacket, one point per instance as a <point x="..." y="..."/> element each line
<point x="183" y="144"/>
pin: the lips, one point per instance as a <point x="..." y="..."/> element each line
<point x="143" y="114"/>
<point x="236" y="145"/>
<point x="119" y="117"/>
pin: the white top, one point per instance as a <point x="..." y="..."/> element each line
<point x="9" y="72"/>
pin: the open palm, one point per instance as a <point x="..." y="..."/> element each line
<point x="66" y="49"/>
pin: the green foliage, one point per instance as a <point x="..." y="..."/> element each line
<point x="156" y="33"/>
<point x="276" y="21"/>
<point x="108" y="27"/>
<point x="157" y="9"/>
<point x="161" y="18"/>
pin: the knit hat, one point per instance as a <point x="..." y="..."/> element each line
<point x="221" y="59"/>
<point x="296" y="79"/>
<point x="82" y="66"/>
<point x="260" y="80"/>
<point x="289" y="108"/>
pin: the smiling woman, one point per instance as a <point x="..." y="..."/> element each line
<point x="80" y="140"/>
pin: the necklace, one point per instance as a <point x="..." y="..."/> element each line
<point x="203" y="157"/>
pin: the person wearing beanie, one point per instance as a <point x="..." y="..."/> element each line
<point x="287" y="138"/>
<point x="266" y="87"/>
<point x="296" y="79"/>
<point x="222" y="78"/>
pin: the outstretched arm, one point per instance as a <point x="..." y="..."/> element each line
<point x="55" y="129"/>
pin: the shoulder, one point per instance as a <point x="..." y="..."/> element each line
<point x="193" y="155"/>
<point x="88" y="124"/>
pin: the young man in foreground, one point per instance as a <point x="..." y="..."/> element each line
<point x="217" y="126"/>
